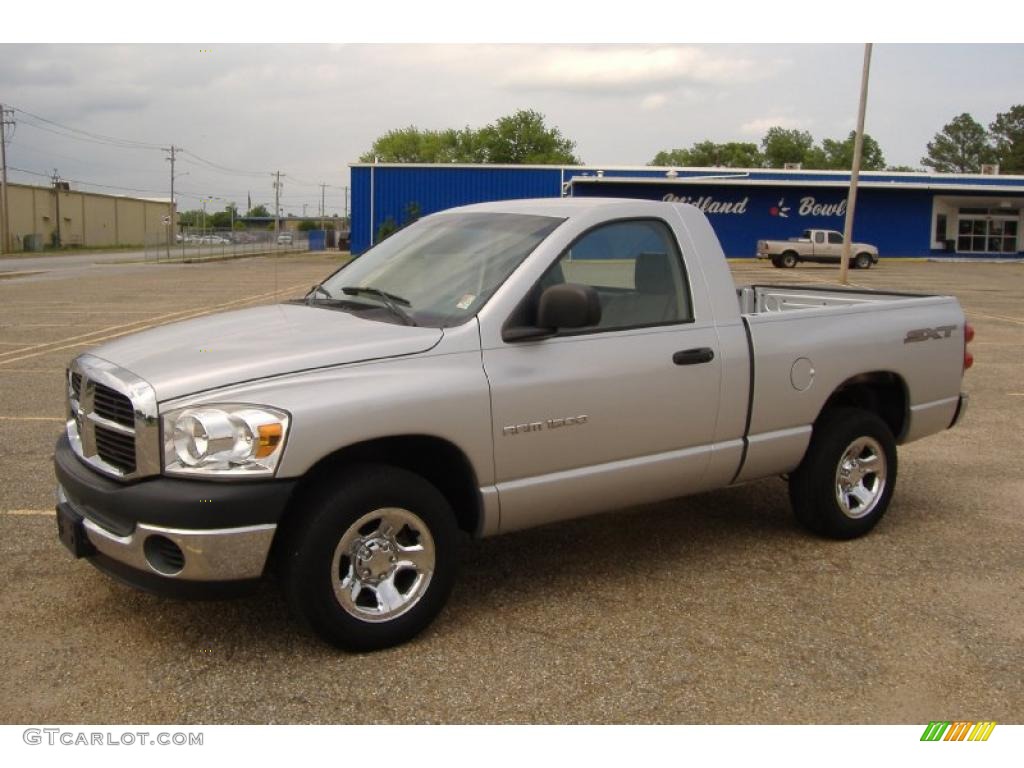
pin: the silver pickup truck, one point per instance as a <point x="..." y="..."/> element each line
<point x="487" y="369"/>
<point x="823" y="246"/>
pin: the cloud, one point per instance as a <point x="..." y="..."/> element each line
<point x="654" y="101"/>
<point x="623" y="68"/>
<point x="760" y="125"/>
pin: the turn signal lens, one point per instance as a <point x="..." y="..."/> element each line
<point x="269" y="438"/>
<point x="968" y="333"/>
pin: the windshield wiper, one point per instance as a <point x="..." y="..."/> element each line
<point x="390" y="300"/>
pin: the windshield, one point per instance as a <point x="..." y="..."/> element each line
<point x="440" y="270"/>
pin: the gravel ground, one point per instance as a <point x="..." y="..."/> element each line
<point x="711" y="609"/>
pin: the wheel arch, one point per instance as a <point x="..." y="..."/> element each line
<point x="882" y="392"/>
<point x="437" y="460"/>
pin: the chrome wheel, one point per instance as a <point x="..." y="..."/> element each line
<point x="860" y="477"/>
<point x="383" y="564"/>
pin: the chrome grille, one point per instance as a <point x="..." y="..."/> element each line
<point x="112" y="419"/>
<point x="116" y="448"/>
<point x="113" y="406"/>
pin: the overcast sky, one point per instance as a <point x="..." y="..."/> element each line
<point x="309" y="110"/>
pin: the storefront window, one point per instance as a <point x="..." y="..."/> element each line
<point x="989" y="234"/>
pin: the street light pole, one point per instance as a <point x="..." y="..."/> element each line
<point x="858" y="148"/>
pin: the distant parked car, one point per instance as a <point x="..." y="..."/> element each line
<point x="285" y="238"/>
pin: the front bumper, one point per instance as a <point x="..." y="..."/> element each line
<point x="161" y="533"/>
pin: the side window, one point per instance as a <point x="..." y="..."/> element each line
<point x="819" y="237"/>
<point x="834" y="238"/>
<point x="636" y="269"/>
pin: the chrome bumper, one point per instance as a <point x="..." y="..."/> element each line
<point x="221" y="554"/>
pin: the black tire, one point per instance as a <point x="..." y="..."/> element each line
<point x="789" y="260"/>
<point x="777" y="262"/>
<point x="315" y="554"/>
<point x="818" y="492"/>
<point x="862" y="261"/>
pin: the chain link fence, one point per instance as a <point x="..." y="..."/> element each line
<point x="198" y="244"/>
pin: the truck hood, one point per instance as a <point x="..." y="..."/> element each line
<point x="231" y="347"/>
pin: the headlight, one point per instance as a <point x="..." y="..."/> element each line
<point x="218" y="440"/>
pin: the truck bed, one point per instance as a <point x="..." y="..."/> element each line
<point x="763" y="299"/>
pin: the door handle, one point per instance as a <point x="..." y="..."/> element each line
<point x="694" y="356"/>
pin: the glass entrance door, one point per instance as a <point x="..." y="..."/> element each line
<point x="987" y="234"/>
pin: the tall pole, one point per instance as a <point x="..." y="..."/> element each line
<point x="56" y="197"/>
<point x="174" y="218"/>
<point x="5" y="215"/>
<point x="277" y="204"/>
<point x="323" y="211"/>
<point x="858" y="148"/>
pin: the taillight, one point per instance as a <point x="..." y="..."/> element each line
<point x="968" y="338"/>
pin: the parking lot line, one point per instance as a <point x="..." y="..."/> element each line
<point x="89" y="339"/>
<point x="29" y="512"/>
<point x="31" y="418"/>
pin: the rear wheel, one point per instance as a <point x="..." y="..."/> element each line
<point x="845" y="482"/>
<point x="788" y="259"/>
<point x="862" y="261"/>
<point x="373" y="561"/>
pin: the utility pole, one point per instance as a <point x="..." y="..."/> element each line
<point x="323" y="210"/>
<point x="858" y="148"/>
<point x="345" y="211"/>
<point x="56" y="197"/>
<point x="277" y="204"/>
<point x="174" y="217"/>
<point x="6" y="118"/>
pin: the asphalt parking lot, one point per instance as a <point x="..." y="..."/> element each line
<point x="712" y="609"/>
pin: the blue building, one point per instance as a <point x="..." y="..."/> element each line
<point x="904" y="214"/>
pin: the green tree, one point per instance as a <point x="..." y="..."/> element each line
<point x="259" y="210"/>
<point x="412" y="145"/>
<point x="193" y="218"/>
<point x="903" y="169"/>
<point x="960" y="147"/>
<point x="524" y="138"/>
<point x="223" y="219"/>
<point x="837" y="155"/>
<point x="1008" y="136"/>
<point x="786" y="145"/>
<point x="708" y="154"/>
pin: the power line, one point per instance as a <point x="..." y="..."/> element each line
<point x="223" y="168"/>
<point x="86" y="135"/>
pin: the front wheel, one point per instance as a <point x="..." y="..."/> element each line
<point x="845" y="482"/>
<point x="373" y="560"/>
<point x="788" y="260"/>
<point x="862" y="261"/>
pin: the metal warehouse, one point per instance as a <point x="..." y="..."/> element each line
<point x="904" y="214"/>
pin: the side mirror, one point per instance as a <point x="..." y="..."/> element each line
<point x="567" y="305"/>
